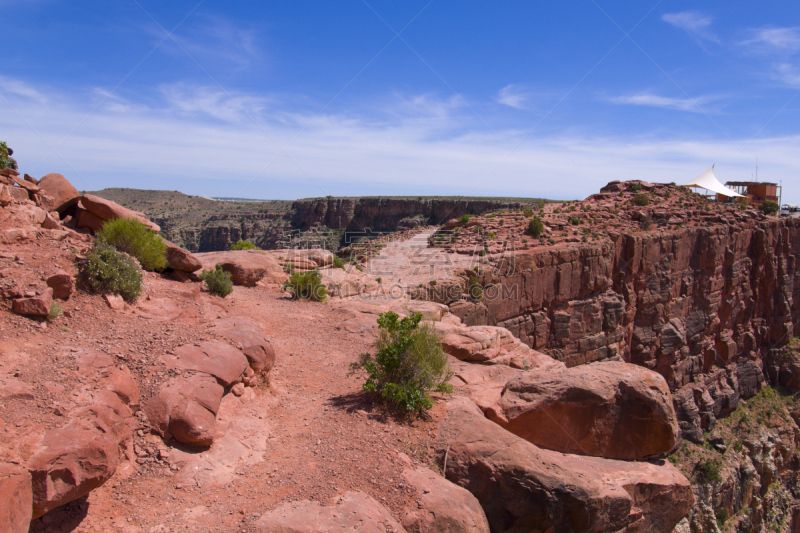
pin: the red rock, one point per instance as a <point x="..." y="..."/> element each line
<point x="25" y="184"/>
<point x="51" y="222"/>
<point x="441" y="506"/>
<point x="247" y="267"/>
<point x="609" y="409"/>
<point x="180" y="259"/>
<point x="61" y="190"/>
<point x="121" y="383"/>
<point x="16" y="497"/>
<point x="63" y="285"/>
<point x="216" y="358"/>
<point x="353" y="511"/>
<point x="524" y="488"/>
<point x="186" y="407"/>
<point x="14" y="389"/>
<point x="114" y="301"/>
<point x="36" y="306"/>
<point x="108" y="210"/>
<point x="247" y="336"/>
<point x="88" y="220"/>
<point x="5" y="195"/>
<point x="159" y="309"/>
<point x="18" y="193"/>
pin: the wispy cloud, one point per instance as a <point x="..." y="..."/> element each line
<point x="695" y="24"/>
<point x="693" y="105"/>
<point x="192" y="100"/>
<point x="19" y="88"/>
<point x="780" y="39"/>
<point x="513" y="96"/>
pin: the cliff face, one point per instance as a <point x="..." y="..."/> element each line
<point x="701" y="306"/>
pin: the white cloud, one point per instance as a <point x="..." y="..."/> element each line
<point x="11" y="86"/>
<point x="695" y="24"/>
<point x="788" y="74"/>
<point x="513" y="96"/>
<point x="694" y="105"/>
<point x="182" y="148"/>
<point x="780" y="39"/>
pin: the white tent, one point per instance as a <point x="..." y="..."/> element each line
<point x="707" y="180"/>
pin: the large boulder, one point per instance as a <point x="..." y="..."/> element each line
<point x="78" y="458"/>
<point x="108" y="210"/>
<point x="185" y="408"/>
<point x="216" y="358"/>
<point x="523" y="488"/>
<point x="353" y="511"/>
<point x="247" y="336"/>
<point x="16" y="498"/>
<point x="63" y="193"/>
<point x="246" y="267"/>
<point x="609" y="409"/>
<point x="441" y="506"/>
<point x="180" y="259"/>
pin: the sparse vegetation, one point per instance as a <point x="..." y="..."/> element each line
<point x="463" y="219"/>
<point x="6" y="161"/>
<point x="217" y="281"/>
<point x="769" y="208"/>
<point x="243" y="245"/>
<point x="55" y="311"/>
<point x="535" y="227"/>
<point x="338" y="262"/>
<point x="645" y="222"/>
<point x="408" y="365"/>
<point x="636" y="187"/>
<point x="306" y="286"/>
<point x="137" y="240"/>
<point x="109" y="271"/>
<point x="641" y="199"/>
<point x="474" y="289"/>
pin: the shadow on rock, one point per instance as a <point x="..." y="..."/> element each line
<point x="66" y="518"/>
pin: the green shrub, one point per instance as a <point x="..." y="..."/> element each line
<point x="641" y="199"/>
<point x="6" y="161"/>
<point x="135" y="239"/>
<point x="474" y="288"/>
<point x="709" y="470"/>
<point x="574" y="221"/>
<point x="463" y="219"/>
<point x="306" y="285"/>
<point x="645" y="222"/>
<point x="636" y="187"/>
<point x="769" y="208"/>
<point x="408" y="365"/>
<point x="243" y="245"/>
<point x="338" y="262"/>
<point x="535" y="227"/>
<point x="55" y="311"/>
<point x="217" y="281"/>
<point x="107" y="270"/>
<point x="721" y="515"/>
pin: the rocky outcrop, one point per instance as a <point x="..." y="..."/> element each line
<point x="441" y="506"/>
<point x="63" y="193"/>
<point x="354" y="510"/>
<point x="523" y="488"/>
<point x="608" y="409"/>
<point x="180" y="259"/>
<point x="246" y="267"/>
<point x="215" y="358"/>
<point x="17" y="498"/>
<point x="108" y="210"/>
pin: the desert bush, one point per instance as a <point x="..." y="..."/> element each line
<point x="338" y="262"/>
<point x="710" y="470"/>
<point x="641" y="199"/>
<point x="109" y="271"/>
<point x="535" y="227"/>
<point x="769" y="208"/>
<point x="217" y="281"/>
<point x="636" y="187"/>
<point x="463" y="219"/>
<point x="55" y="311"/>
<point x="6" y="161"/>
<point x="137" y="240"/>
<point x="474" y="288"/>
<point x="574" y="221"/>
<point x="243" y="245"/>
<point x="306" y="286"/>
<point x="645" y="222"/>
<point x="408" y="365"/>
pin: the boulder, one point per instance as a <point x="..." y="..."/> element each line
<point x="608" y="409"/>
<point x="63" y="285"/>
<point x="5" y="196"/>
<point x="216" y="358"/>
<point x="17" y="498"/>
<point x="247" y="267"/>
<point x="78" y="458"/>
<point x="523" y="488"/>
<point x="18" y="193"/>
<point x="35" y="306"/>
<point x="121" y="383"/>
<point x="61" y="190"/>
<point x="180" y="259"/>
<point x="87" y="220"/>
<point x="441" y="506"/>
<point x="108" y="210"/>
<point x="185" y="408"/>
<point x="353" y="511"/>
<point x="247" y="336"/>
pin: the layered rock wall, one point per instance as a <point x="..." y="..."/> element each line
<point x="701" y="306"/>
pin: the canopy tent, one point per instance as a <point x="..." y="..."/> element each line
<point x="707" y="180"/>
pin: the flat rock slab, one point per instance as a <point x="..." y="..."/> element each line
<point x="248" y="337"/>
<point x="159" y="309"/>
<point x="16" y="498"/>
<point x="353" y="511"/>
<point x="523" y="488"/>
<point x="609" y="409"/>
<point x="216" y="358"/>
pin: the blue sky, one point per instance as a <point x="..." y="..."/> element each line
<point x="299" y="99"/>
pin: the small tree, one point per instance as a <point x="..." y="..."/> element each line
<point x="409" y="363"/>
<point x="769" y="208"/>
<point x="535" y="227"/>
